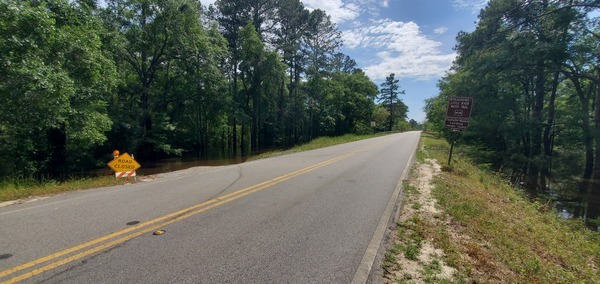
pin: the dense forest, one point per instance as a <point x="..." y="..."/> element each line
<point x="533" y="69"/>
<point x="164" y="78"/>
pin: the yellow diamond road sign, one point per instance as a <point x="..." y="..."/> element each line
<point x="124" y="163"/>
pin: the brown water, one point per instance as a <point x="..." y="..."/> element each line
<point x="175" y="164"/>
<point x="581" y="201"/>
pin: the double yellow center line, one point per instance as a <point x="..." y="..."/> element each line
<point x="85" y="249"/>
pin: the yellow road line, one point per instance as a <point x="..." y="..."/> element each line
<point x="176" y="216"/>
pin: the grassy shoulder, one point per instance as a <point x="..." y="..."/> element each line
<point x="489" y="231"/>
<point x="317" y="143"/>
<point x="26" y="188"/>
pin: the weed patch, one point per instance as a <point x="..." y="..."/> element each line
<point x="508" y="236"/>
<point x="26" y="188"/>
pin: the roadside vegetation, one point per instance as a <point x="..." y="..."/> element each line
<point x="320" y="142"/>
<point x="484" y="229"/>
<point x="22" y="188"/>
<point x="532" y="69"/>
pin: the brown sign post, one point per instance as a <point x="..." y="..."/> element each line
<point x="457" y="117"/>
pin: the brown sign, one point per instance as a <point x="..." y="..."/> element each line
<point x="456" y="124"/>
<point x="458" y="113"/>
<point x="459" y="107"/>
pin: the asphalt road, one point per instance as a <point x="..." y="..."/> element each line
<point x="310" y="217"/>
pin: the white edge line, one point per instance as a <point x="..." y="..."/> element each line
<point x="366" y="264"/>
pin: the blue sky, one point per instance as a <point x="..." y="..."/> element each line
<point x="412" y="38"/>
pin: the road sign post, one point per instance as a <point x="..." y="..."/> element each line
<point x="458" y="114"/>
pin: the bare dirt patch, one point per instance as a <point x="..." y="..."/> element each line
<point x="413" y="257"/>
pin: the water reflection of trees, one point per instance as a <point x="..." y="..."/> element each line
<point x="579" y="200"/>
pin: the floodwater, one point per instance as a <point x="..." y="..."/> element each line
<point x="213" y="159"/>
<point x="581" y="200"/>
<point x="175" y="164"/>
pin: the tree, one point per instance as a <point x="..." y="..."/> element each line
<point x="293" y="24"/>
<point x="354" y="104"/>
<point x="164" y="78"/>
<point x="388" y="96"/>
<point x="522" y="63"/>
<point x="321" y="42"/>
<point x="261" y="73"/>
<point x="199" y="107"/>
<point x="151" y="37"/>
<point x="54" y="79"/>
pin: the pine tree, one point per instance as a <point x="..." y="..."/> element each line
<point x="388" y="95"/>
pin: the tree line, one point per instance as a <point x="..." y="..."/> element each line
<point x="163" y="78"/>
<point x="533" y="69"/>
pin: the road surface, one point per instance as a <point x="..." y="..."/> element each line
<point x="312" y="217"/>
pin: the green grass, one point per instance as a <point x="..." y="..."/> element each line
<point x="389" y="264"/>
<point x="317" y="143"/>
<point x="25" y="188"/>
<point x="408" y="188"/>
<point x="510" y="237"/>
<point x="430" y="270"/>
<point x="410" y="237"/>
<point x="416" y="206"/>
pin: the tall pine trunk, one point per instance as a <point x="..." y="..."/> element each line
<point x="596" y="171"/>
<point x="537" y="125"/>
<point x="234" y="121"/>
<point x="548" y="135"/>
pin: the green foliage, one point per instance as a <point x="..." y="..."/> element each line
<point x="165" y="78"/>
<point x="53" y="83"/>
<point x="531" y="70"/>
<point x="389" y="98"/>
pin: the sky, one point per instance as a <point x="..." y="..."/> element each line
<point x="414" y="39"/>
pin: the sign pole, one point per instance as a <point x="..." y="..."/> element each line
<point x="135" y="176"/>
<point x="451" y="148"/>
<point x="115" y="156"/>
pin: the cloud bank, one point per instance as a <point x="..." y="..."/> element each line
<point x="400" y="48"/>
<point x="337" y="9"/>
<point x="474" y="5"/>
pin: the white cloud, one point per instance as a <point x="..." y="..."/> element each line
<point x="347" y="10"/>
<point x="473" y="5"/>
<point x="207" y="2"/>
<point x="440" y="30"/>
<point x="337" y="9"/>
<point x="401" y="49"/>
